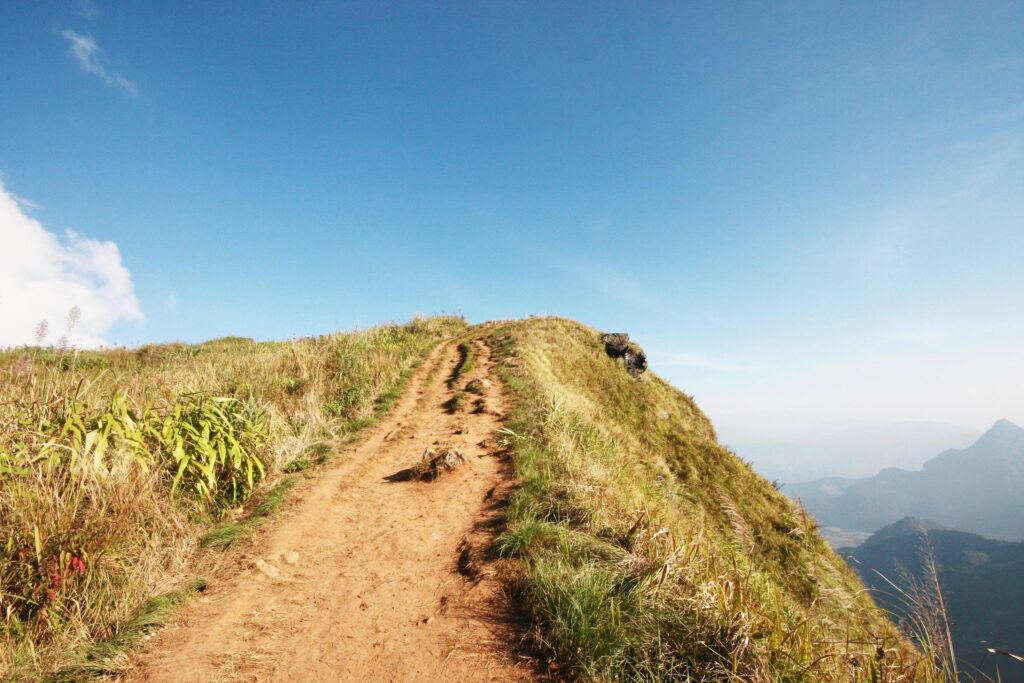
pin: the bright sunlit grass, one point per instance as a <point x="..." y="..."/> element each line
<point x="116" y="465"/>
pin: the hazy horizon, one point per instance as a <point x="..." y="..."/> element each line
<point x="809" y="214"/>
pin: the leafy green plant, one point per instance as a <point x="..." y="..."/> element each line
<point x="214" y="444"/>
<point x="89" y="439"/>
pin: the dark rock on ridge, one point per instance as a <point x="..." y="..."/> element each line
<point x="617" y="345"/>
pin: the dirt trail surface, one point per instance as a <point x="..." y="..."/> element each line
<point x="362" y="578"/>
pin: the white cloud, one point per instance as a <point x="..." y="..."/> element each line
<point x="88" y="53"/>
<point x="43" y="276"/>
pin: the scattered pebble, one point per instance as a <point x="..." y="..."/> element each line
<point x="291" y="558"/>
<point x="268" y="569"/>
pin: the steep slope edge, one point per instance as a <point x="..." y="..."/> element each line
<point x="650" y="551"/>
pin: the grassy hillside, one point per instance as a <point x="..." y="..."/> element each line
<point x="653" y="553"/>
<point x="116" y="465"/>
<point x="641" y="548"/>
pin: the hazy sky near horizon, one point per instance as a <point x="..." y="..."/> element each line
<point x="810" y="213"/>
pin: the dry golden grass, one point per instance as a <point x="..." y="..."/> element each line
<point x="89" y="533"/>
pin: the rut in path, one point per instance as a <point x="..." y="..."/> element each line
<point x="360" y="579"/>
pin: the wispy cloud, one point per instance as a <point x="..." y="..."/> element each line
<point x="605" y="280"/>
<point x="917" y="334"/>
<point x="88" y="9"/>
<point x="24" y="203"/>
<point x="690" y="359"/>
<point x="887" y="238"/>
<point x="1010" y="114"/>
<point x="984" y="160"/>
<point x="89" y="56"/>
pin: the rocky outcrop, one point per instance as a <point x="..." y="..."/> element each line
<point x="617" y="345"/>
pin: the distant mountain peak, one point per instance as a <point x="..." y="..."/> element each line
<point x="1004" y="429"/>
<point x="907" y="526"/>
<point x="978" y="489"/>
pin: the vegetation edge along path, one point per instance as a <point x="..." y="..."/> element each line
<point x="369" y="574"/>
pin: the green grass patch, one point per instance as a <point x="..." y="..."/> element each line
<point x="273" y="499"/>
<point x="467" y="361"/>
<point x="226" y="534"/>
<point x="298" y="465"/>
<point x="358" y="424"/>
<point x="457" y="402"/>
<point x="320" y="452"/>
<point x="94" y="660"/>
<point x="386" y="401"/>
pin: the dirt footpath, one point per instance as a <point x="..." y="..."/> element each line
<point x="362" y="578"/>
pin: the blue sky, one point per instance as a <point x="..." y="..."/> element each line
<point x="811" y="214"/>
